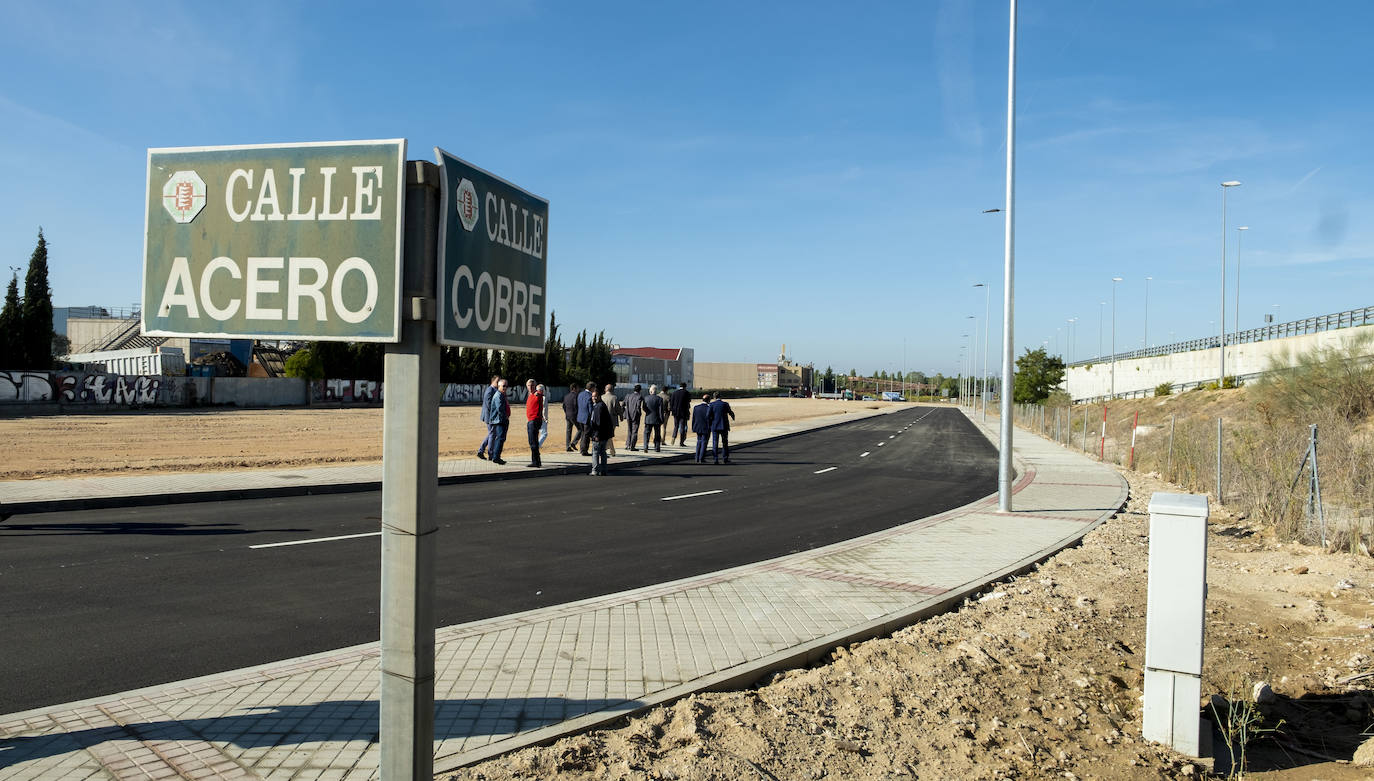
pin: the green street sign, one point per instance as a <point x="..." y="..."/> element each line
<point x="493" y="247"/>
<point x="287" y="241"/>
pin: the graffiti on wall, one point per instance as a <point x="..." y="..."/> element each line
<point x="81" y="388"/>
<point x="370" y="392"/>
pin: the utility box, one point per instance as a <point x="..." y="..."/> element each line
<point x="1177" y="595"/>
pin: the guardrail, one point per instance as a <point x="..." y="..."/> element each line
<point x="1311" y="325"/>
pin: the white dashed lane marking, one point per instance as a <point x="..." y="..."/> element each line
<point x="827" y="469"/>
<point x="689" y="496"/>
<point x="319" y="539"/>
<point x="865" y="454"/>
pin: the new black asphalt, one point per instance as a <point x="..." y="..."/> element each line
<point x="101" y="601"/>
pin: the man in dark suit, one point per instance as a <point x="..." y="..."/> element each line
<point x="721" y="415"/>
<point x="701" y="425"/>
<point x="584" y="417"/>
<point x="486" y="416"/>
<point x="680" y="404"/>
<point x="498" y="412"/>
<point x="601" y="428"/>
<point x="655" y="411"/>
<point x="570" y="412"/>
<point x="634" y="410"/>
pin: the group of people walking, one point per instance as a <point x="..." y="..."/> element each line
<point x="594" y="413"/>
<point x="496" y="414"/>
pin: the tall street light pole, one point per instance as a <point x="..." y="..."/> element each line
<point x="1239" y="232"/>
<point x="987" y="326"/>
<point x="1221" y="381"/>
<point x="1005" y="471"/>
<point x="973" y="364"/>
<point x="1100" y="305"/>
<point x="1072" y="331"/>
<point x="1114" y="281"/>
<point x="1147" y="311"/>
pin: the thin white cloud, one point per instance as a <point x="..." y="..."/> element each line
<point x="954" y="69"/>
<point x="1303" y="180"/>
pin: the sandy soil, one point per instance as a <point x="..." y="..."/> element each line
<point x="201" y="440"/>
<point x="1037" y="677"/>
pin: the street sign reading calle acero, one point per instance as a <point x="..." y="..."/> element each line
<point x="493" y="251"/>
<point x="290" y="241"/>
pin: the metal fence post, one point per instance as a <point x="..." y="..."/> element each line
<point x="1219" y="460"/>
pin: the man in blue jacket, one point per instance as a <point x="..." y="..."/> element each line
<point x="584" y="417"/>
<point x="486" y="416"/>
<point x="499" y="415"/>
<point x="721" y="415"/>
<point x="701" y="425"/>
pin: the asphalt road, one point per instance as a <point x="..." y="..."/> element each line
<point x="102" y="601"/>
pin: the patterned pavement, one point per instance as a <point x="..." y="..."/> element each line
<point x="515" y="680"/>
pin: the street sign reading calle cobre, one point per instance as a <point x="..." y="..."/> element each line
<point x="289" y="241"/>
<point x="493" y="250"/>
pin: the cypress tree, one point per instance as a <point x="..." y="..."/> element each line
<point x="11" y="328"/>
<point x="36" y="312"/>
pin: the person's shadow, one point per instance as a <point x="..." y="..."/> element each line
<point x="331" y="720"/>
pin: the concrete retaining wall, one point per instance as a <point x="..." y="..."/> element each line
<point x="1185" y="370"/>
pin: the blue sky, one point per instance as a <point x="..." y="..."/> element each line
<point x="735" y="176"/>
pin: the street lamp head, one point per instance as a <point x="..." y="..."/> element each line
<point x="991" y="211"/>
<point x="1147" y="279"/>
<point x="1242" y="227"/>
<point x="1116" y="279"/>
<point x="1231" y="183"/>
<point x="979" y="284"/>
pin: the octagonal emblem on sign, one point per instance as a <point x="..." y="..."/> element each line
<point x="468" y="209"/>
<point x="184" y="196"/>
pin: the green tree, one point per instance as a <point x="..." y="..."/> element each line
<point x="11" y="336"/>
<point x="336" y="359"/>
<point x="552" y="371"/>
<point x="304" y="364"/>
<point x="36" y="311"/>
<point x="1037" y="373"/>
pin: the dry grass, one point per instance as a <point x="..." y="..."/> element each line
<point x="1265" y="432"/>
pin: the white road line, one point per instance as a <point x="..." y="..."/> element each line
<point x="689" y="496"/>
<point x="321" y="539"/>
<point x="894" y="436"/>
<point x="880" y="444"/>
<point x="823" y="471"/>
<point x="864" y="454"/>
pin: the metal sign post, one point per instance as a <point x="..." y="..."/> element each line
<point x="410" y="479"/>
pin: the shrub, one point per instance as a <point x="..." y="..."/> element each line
<point x="1164" y="389"/>
<point x="304" y="364"/>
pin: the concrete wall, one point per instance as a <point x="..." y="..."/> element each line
<point x="258" y="391"/>
<point x="711" y="374"/>
<point x="1140" y="376"/>
<point x="98" y="389"/>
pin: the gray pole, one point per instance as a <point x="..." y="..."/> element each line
<point x="987" y="326"/>
<point x="1005" y="473"/>
<point x="1221" y="381"/>
<point x="1114" y="281"/>
<point x="1219" y="500"/>
<point x="410" y="477"/>
<point x="1239" y="234"/>
<point x="1147" y="312"/>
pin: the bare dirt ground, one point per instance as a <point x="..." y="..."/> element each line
<point x="1037" y="677"/>
<point x="103" y="444"/>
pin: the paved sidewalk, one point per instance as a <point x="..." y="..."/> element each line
<point x="515" y="680"/>
<point x="29" y="496"/>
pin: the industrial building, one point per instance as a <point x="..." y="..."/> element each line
<point x="661" y="366"/>
<point x="785" y="373"/>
